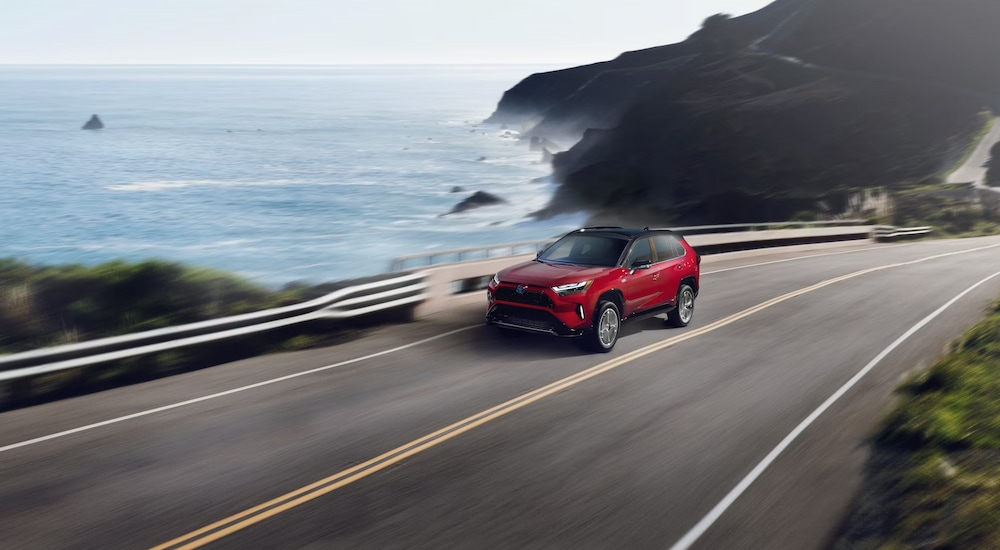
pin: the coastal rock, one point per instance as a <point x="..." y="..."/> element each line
<point x="547" y="156"/>
<point x="458" y="189"/>
<point x="477" y="200"/>
<point x="742" y="123"/>
<point x="94" y="123"/>
<point x="539" y="93"/>
<point x="481" y="159"/>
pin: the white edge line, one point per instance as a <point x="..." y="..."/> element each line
<point x="227" y="392"/>
<point x="867" y="249"/>
<point x="796" y="258"/>
<point x="715" y="513"/>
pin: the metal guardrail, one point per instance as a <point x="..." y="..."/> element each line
<point x="888" y="232"/>
<point x="407" y="289"/>
<point x="473" y="254"/>
<point x="345" y="303"/>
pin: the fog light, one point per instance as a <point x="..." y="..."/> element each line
<point x="579" y="311"/>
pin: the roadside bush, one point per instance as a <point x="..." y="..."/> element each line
<point x="42" y="305"/>
<point x="948" y="216"/>
<point x="934" y="477"/>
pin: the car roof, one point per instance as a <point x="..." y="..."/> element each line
<point x="625" y="232"/>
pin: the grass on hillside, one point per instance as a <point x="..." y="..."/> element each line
<point x="49" y="305"/>
<point x="934" y="479"/>
<point x="43" y="306"/>
<point x="950" y="216"/>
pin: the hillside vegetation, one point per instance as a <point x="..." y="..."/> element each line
<point x="934" y="478"/>
<point x="43" y="305"/>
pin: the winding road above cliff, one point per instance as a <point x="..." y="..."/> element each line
<point x="975" y="167"/>
<point x="745" y="430"/>
<point x="973" y="170"/>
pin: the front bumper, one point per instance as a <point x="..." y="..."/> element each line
<point x="538" y="310"/>
<point x="529" y="320"/>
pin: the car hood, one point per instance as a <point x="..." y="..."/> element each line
<point x="548" y="275"/>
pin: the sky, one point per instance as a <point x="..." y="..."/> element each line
<point x="345" y="31"/>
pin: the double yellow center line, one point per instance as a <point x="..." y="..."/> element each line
<point x="242" y="520"/>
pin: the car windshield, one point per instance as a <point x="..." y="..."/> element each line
<point x="589" y="250"/>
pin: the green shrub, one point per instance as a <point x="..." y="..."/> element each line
<point x="935" y="472"/>
<point x="45" y="305"/>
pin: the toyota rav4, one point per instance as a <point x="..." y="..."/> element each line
<point x="590" y="281"/>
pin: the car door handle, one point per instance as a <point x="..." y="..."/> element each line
<point x="656" y="276"/>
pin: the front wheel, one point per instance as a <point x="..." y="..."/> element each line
<point x="607" y="323"/>
<point x="684" y="312"/>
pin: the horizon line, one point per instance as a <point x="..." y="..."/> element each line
<point x="238" y="64"/>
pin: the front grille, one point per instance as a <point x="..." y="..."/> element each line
<point x="534" y="319"/>
<point x="528" y="323"/>
<point x="530" y="297"/>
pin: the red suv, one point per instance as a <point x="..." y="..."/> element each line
<point x="588" y="282"/>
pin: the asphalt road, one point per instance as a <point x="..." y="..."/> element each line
<point x="632" y="453"/>
<point x="975" y="167"/>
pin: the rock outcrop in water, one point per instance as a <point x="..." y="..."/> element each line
<point x="477" y="200"/>
<point x="93" y="124"/>
<point x="760" y="117"/>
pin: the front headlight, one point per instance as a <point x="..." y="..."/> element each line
<point x="496" y="279"/>
<point x="572" y="288"/>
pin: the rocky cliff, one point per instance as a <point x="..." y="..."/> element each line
<point x="762" y="116"/>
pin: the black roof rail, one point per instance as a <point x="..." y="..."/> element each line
<point x="602" y="227"/>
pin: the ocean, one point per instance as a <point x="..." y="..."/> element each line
<point x="275" y="173"/>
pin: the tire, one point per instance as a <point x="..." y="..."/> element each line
<point x="607" y="325"/>
<point x="681" y="315"/>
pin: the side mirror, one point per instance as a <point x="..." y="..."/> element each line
<point x="640" y="264"/>
<point x="538" y="254"/>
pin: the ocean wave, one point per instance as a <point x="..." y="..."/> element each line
<point x="166" y="185"/>
<point x="133" y="246"/>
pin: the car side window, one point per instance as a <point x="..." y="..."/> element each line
<point x="667" y="247"/>
<point x="681" y="251"/>
<point x="641" y="250"/>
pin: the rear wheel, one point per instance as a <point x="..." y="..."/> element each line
<point x="684" y="312"/>
<point x="607" y="324"/>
